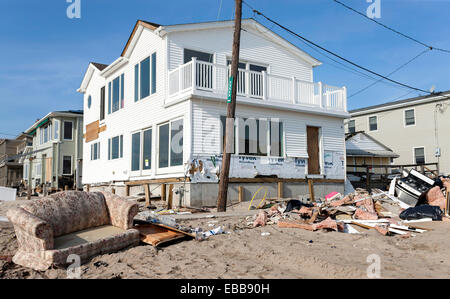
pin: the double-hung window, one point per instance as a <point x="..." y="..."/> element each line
<point x="141" y="150"/>
<point x="115" y="147"/>
<point x="171" y="144"/>
<point x="351" y="126"/>
<point x="145" y="78"/>
<point x="68" y="128"/>
<point x="56" y="130"/>
<point x="67" y="165"/>
<point x="116" y="94"/>
<point x="410" y="119"/>
<point x="373" y="123"/>
<point x="95" y="151"/>
<point x="419" y="155"/>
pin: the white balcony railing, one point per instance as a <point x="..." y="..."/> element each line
<point x="257" y="85"/>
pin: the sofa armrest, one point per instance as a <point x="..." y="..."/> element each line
<point x="32" y="232"/>
<point x="120" y="210"/>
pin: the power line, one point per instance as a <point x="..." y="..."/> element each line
<point x="397" y="69"/>
<point x="391" y="29"/>
<point x="332" y="53"/>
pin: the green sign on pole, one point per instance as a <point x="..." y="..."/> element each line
<point x="230" y="89"/>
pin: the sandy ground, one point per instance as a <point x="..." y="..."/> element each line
<point x="245" y="253"/>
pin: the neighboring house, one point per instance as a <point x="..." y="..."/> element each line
<point x="57" y="151"/>
<point x="417" y="128"/>
<point x="156" y="114"/>
<point x="364" y="150"/>
<point x="10" y="167"/>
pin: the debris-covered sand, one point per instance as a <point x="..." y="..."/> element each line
<point x="246" y="253"/>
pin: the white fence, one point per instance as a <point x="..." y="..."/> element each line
<point x="257" y="85"/>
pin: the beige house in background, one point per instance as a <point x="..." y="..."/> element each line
<point x="418" y="129"/>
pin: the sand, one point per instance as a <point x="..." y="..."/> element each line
<point x="245" y="253"/>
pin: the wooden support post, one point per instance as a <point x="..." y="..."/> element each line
<point x="113" y="190"/>
<point x="127" y="190"/>
<point x="163" y="192"/>
<point x="311" y="190"/>
<point x="367" y="179"/>
<point x="66" y="188"/>
<point x="147" y="195"/>
<point x="88" y="188"/>
<point x="241" y="193"/>
<point x="169" y="200"/>
<point x="231" y="109"/>
<point x="280" y="190"/>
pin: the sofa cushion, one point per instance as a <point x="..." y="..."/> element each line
<point x="86" y="236"/>
<point x="71" y="211"/>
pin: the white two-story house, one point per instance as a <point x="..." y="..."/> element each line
<point x="157" y="114"/>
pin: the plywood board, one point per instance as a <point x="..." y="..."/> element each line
<point x="156" y="235"/>
<point x="92" y="131"/>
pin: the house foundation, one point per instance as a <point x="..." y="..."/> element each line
<point x="189" y="194"/>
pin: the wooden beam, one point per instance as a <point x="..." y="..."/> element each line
<point x="169" y="200"/>
<point x="127" y="190"/>
<point x="241" y="193"/>
<point x="157" y="181"/>
<point x="280" y="190"/>
<point x="163" y="192"/>
<point x="311" y="190"/>
<point x="147" y="195"/>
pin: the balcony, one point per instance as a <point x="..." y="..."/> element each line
<point x="211" y="80"/>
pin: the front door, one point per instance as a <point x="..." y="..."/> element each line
<point x="312" y="134"/>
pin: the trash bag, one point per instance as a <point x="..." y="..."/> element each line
<point x="295" y="204"/>
<point x="424" y="211"/>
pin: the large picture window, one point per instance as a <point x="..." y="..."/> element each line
<point x="145" y="78"/>
<point x="171" y="144"/>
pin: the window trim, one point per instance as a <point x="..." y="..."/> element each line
<point x="424" y="154"/>
<point x="121" y="78"/>
<point x="71" y="164"/>
<point x="368" y="123"/>
<point x="141" y="169"/>
<point x="404" y="117"/>
<point x="64" y="130"/>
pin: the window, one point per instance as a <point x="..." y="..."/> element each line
<point x="116" y="94"/>
<point x="254" y="80"/>
<point x="135" y="151"/>
<point x="253" y="137"/>
<point x="145" y="78"/>
<point x="89" y="102"/>
<point x="419" y="155"/>
<point x="102" y="103"/>
<point x="141" y="153"/>
<point x="95" y="151"/>
<point x="202" y="56"/>
<point x="56" y="130"/>
<point x="373" y="123"/>
<point x="171" y="144"/>
<point x="25" y="171"/>
<point x="115" y="147"/>
<point x="276" y="138"/>
<point x="68" y="126"/>
<point x="67" y="165"/>
<point x="351" y="126"/>
<point x="410" y="118"/>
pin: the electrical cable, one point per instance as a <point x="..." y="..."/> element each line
<point x="332" y="53"/>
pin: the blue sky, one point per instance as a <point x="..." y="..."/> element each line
<point x="45" y="54"/>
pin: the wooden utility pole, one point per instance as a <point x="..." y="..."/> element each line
<point x="231" y="108"/>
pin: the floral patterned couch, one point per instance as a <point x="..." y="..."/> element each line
<point x="50" y="229"/>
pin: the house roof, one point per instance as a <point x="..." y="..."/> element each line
<point x="42" y="121"/>
<point x="401" y="103"/>
<point x="221" y="24"/>
<point x="99" y="66"/>
<point x="360" y="144"/>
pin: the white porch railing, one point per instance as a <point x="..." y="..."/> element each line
<point x="205" y="76"/>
